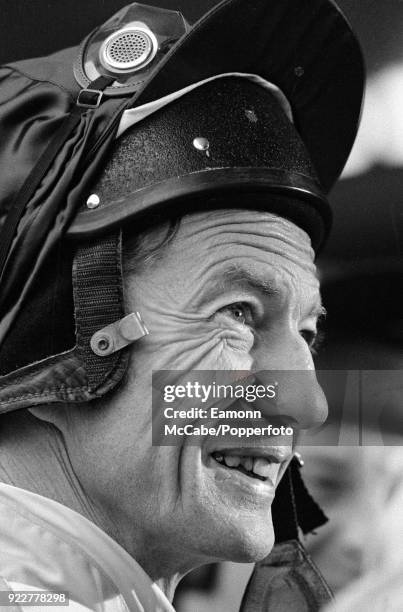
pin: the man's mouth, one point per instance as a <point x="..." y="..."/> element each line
<point x="260" y="468"/>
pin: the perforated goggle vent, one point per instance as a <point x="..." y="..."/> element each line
<point x="128" y="49"/>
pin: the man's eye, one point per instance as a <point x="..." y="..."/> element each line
<point x="240" y="312"/>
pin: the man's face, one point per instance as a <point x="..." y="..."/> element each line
<point x="234" y="290"/>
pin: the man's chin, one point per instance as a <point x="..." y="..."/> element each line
<point x="251" y="545"/>
<point x="255" y="554"/>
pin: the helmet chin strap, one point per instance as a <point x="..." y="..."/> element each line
<point x="287" y="579"/>
<point x="79" y="374"/>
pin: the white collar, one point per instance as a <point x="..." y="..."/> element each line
<point x="134" y="584"/>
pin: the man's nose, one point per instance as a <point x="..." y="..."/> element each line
<point x="299" y="399"/>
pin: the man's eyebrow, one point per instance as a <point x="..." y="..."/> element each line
<point x="236" y="277"/>
<point x="239" y="276"/>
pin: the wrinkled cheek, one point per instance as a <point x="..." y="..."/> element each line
<point x="206" y="349"/>
<point x="231" y="354"/>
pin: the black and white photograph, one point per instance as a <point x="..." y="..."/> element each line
<point x="201" y="306"/>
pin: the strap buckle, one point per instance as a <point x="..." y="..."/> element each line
<point x="89" y="98"/>
<point x="117" y="335"/>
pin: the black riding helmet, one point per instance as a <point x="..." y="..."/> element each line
<point x="270" y="124"/>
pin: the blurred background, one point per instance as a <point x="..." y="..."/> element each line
<point x="361" y="270"/>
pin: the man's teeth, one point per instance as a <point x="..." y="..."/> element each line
<point x="260" y="466"/>
<point x="233" y="461"/>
